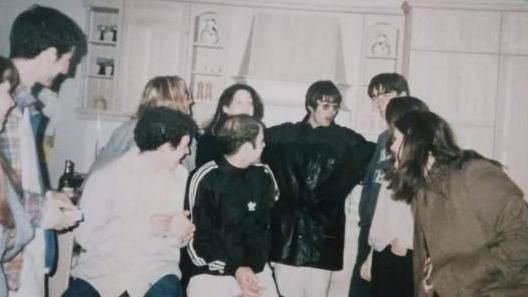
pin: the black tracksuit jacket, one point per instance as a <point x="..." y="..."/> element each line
<point x="231" y="209"/>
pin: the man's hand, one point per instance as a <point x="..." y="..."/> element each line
<point x="181" y="226"/>
<point x="366" y="268"/>
<point x="248" y="282"/>
<point x="428" y="270"/>
<point x="61" y="213"/>
<point x="397" y="248"/>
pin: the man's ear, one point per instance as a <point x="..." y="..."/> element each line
<point x="166" y="147"/>
<point x="245" y="147"/>
<point x="49" y="54"/>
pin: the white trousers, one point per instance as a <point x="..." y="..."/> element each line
<point x="206" y="285"/>
<point x="298" y="281"/>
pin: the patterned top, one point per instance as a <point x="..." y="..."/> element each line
<point x="32" y="203"/>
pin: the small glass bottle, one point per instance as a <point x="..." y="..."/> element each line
<point x="67" y="179"/>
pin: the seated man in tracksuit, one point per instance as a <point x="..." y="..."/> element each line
<point x="230" y="200"/>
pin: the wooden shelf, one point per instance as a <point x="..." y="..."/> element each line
<point x="206" y="73"/>
<point x="212" y="46"/>
<point x="90" y="113"/>
<point x="103" y="43"/>
<point x="109" y="77"/>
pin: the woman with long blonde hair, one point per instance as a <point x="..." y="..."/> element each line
<point x="167" y="91"/>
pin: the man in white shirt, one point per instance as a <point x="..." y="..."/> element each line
<point x="134" y="222"/>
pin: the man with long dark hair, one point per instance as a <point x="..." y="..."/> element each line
<point x="471" y="222"/>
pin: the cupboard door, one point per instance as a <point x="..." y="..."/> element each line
<point x="155" y="43"/>
<point x="512" y="127"/>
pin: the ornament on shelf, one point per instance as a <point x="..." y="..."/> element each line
<point x="380" y="46"/>
<point x="209" y="30"/>
<point x="208" y="91"/>
<point x="100" y="103"/>
<point x="106" y="66"/>
<point x="102" y="31"/>
<point x="200" y="91"/>
<point x="113" y="29"/>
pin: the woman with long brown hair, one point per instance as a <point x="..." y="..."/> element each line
<point x="235" y="99"/>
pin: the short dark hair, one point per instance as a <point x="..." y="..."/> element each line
<point x="389" y="82"/>
<point x="39" y="28"/>
<point x="399" y="106"/>
<point x="226" y="98"/>
<point x="237" y="130"/>
<point x="320" y="89"/>
<point x="9" y="72"/>
<point x="160" y="125"/>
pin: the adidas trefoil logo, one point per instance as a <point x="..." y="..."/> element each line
<point x="252" y="206"/>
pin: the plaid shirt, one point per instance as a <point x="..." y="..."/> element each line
<point x="10" y="147"/>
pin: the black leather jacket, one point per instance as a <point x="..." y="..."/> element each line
<point x="316" y="169"/>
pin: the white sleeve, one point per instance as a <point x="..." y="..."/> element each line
<point x="96" y="205"/>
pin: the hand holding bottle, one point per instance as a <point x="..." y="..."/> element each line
<point x="61" y="213"/>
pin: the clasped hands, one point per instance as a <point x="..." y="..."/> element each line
<point x="175" y="225"/>
<point x="248" y="282"/>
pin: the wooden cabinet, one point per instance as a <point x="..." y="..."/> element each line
<point x="209" y="37"/>
<point x="155" y="39"/>
<point x="100" y="69"/>
<point x="129" y="43"/>
<point x="468" y="61"/>
<point x="280" y="52"/>
<point x="511" y="134"/>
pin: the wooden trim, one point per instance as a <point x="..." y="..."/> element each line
<point x="494" y="5"/>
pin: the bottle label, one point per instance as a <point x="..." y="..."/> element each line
<point x="69" y="191"/>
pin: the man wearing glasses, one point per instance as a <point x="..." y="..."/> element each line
<point x="382" y="88"/>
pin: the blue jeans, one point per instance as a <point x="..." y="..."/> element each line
<point x="167" y="286"/>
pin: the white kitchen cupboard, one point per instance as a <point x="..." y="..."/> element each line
<point x="472" y="71"/>
<point x="103" y="29"/>
<point x="154" y="43"/>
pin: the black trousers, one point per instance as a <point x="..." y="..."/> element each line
<point x="358" y="286"/>
<point x="392" y="275"/>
